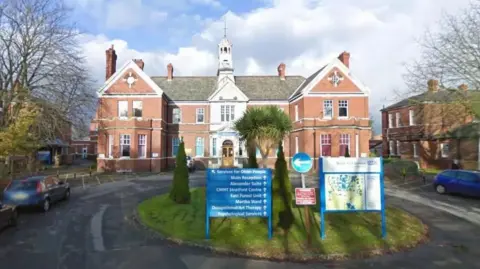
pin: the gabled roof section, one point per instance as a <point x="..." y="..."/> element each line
<point x="226" y="85"/>
<point x="316" y="77"/>
<point x="119" y="74"/>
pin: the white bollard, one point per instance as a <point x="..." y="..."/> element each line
<point x="83" y="181"/>
<point x="98" y="180"/>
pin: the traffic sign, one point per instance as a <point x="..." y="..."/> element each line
<point x="305" y="196"/>
<point x="302" y="162"/>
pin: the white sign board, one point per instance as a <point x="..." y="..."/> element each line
<point x="352" y="184"/>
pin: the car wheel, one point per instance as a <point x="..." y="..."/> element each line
<point x="67" y="195"/>
<point x="440" y="189"/>
<point x="13" y="219"/>
<point x="46" y="205"/>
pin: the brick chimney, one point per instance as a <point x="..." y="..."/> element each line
<point x="432" y="85"/>
<point x="111" y="66"/>
<point x="463" y="87"/>
<point x="170" y="72"/>
<point x="281" y="71"/>
<point x="344" y="57"/>
<point x="139" y="62"/>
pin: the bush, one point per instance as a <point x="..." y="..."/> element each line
<point x="347" y="152"/>
<point x="282" y="194"/>
<point x="180" y="192"/>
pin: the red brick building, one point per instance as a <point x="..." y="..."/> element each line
<point x="433" y="128"/>
<point x="141" y="118"/>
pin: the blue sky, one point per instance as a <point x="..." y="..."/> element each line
<point x="304" y="34"/>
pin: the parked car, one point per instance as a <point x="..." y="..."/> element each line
<point x="464" y="182"/>
<point x="37" y="191"/>
<point x="8" y="215"/>
<point x="190" y="164"/>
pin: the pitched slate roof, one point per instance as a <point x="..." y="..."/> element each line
<point x="254" y="87"/>
<point x="446" y="95"/>
<point x="307" y="81"/>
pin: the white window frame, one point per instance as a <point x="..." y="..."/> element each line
<point x="342" y="104"/>
<point x="415" y="150"/>
<point x="325" y="140"/>
<point x="399" y="152"/>
<point x="120" y="110"/>
<point x="174" y="113"/>
<point x="391" y="147"/>
<point x="142" y="142"/>
<point x="135" y="104"/>
<point x="200" y="111"/>
<point x="173" y="145"/>
<point x="411" y="117"/>
<point x="227" y="113"/>
<point x="202" y="144"/>
<point x="296" y="112"/>
<point x="296" y="144"/>
<point x="214" y="146"/>
<point x="327" y="104"/>
<point x="442" y="150"/>
<point x="110" y="145"/>
<point x="390" y="120"/>
<point x="123" y="138"/>
<point x="397" y="119"/>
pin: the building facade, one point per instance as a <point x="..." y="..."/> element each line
<point x="427" y="128"/>
<point x="140" y="119"/>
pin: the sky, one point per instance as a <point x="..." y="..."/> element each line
<point x="381" y="36"/>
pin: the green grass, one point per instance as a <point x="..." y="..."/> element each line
<point x="347" y="235"/>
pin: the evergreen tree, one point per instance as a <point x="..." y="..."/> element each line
<point x="282" y="194"/>
<point x="347" y="152"/>
<point x="180" y="191"/>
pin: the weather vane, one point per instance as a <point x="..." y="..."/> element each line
<point x="225" y="26"/>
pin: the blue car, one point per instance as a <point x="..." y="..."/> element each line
<point x="464" y="182"/>
<point x="37" y="191"/>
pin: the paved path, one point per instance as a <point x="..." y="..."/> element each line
<point x="94" y="230"/>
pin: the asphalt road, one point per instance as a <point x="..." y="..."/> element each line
<point x="94" y="230"/>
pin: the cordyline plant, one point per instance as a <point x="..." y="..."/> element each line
<point x="264" y="127"/>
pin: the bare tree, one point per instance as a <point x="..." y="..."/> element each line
<point x="451" y="56"/>
<point x="39" y="50"/>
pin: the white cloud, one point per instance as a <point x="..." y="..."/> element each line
<point x="303" y="34"/>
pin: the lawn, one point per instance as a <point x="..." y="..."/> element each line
<point x="347" y="235"/>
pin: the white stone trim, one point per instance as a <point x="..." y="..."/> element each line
<point x="331" y="127"/>
<point x="334" y="63"/>
<point x="119" y="73"/>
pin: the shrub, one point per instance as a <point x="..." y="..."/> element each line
<point x="347" y="152"/>
<point x="180" y="191"/>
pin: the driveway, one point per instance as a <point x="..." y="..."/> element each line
<point x="94" y="230"/>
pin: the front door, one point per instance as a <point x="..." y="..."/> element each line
<point x="227" y="153"/>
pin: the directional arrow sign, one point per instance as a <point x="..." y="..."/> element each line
<point x="302" y="162"/>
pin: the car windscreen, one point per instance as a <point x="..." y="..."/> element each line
<point x="22" y="185"/>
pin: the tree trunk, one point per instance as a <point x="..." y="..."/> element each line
<point x="31" y="162"/>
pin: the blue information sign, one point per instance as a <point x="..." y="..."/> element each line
<point x="351" y="185"/>
<point x="239" y="193"/>
<point x="302" y="162"/>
